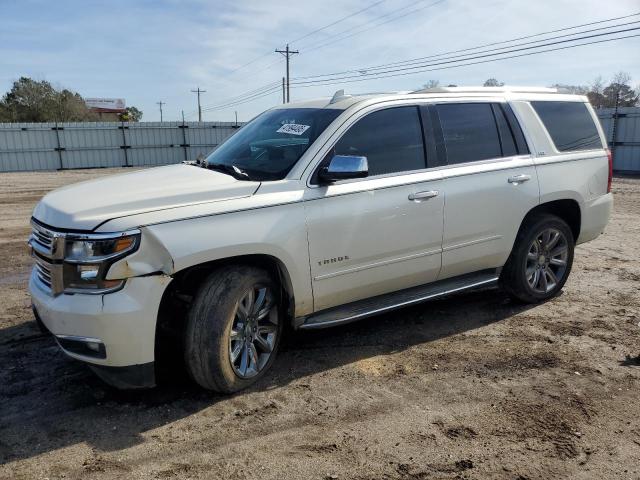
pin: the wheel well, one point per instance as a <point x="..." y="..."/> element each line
<point x="568" y="210"/>
<point x="177" y="298"/>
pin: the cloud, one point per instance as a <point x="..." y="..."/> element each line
<point x="148" y="51"/>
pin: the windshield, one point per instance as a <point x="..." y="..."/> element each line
<point x="271" y="144"/>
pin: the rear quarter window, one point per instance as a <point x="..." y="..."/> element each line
<point x="569" y="124"/>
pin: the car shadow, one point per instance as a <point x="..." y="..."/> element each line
<point x="630" y="361"/>
<point x="48" y="401"/>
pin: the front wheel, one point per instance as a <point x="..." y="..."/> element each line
<point x="234" y="329"/>
<point x="541" y="260"/>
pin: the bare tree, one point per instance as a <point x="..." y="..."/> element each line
<point x="431" y="84"/>
<point x="619" y="92"/>
<point x="492" y="82"/>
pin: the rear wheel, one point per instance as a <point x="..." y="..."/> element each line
<point x="541" y="260"/>
<point x="234" y="329"/>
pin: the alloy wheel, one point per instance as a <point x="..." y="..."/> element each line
<point x="254" y="331"/>
<point x="546" y="262"/>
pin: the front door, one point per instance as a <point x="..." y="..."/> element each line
<point x="382" y="233"/>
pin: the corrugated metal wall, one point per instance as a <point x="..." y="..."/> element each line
<point x="626" y="148"/>
<point x="51" y="146"/>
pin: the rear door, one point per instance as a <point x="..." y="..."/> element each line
<point x="490" y="184"/>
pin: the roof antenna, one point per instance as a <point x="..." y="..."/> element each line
<point x="339" y="95"/>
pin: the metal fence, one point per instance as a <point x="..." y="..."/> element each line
<point x="54" y="146"/>
<point x="622" y="128"/>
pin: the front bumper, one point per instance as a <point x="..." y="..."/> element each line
<point x="118" y="328"/>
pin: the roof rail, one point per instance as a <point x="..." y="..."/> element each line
<point x="340" y="95"/>
<point x="504" y="89"/>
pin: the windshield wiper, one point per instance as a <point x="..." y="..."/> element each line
<point x="232" y="170"/>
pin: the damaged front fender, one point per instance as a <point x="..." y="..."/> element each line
<point x="151" y="257"/>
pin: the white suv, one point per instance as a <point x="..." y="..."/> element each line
<point x="315" y="214"/>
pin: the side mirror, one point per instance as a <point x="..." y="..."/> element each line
<point x="343" y="167"/>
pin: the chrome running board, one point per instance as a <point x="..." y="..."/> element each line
<point x="391" y="301"/>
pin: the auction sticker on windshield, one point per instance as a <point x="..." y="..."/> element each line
<point x="293" y="128"/>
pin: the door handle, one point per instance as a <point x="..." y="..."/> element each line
<point x="416" y="197"/>
<point x="517" y="179"/>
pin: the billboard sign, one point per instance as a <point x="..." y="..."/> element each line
<point x="106" y="103"/>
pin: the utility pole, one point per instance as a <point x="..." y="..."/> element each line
<point x="284" y="96"/>
<point x="614" y="133"/>
<point x="198" y="91"/>
<point x="160" y="103"/>
<point x="287" y="53"/>
<point x="236" y="118"/>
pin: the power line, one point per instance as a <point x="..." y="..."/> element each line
<point x="244" y="100"/>
<point x="313" y="32"/>
<point x="328" y="26"/>
<point x="198" y="91"/>
<point x="410" y="61"/>
<point x="350" y="33"/>
<point x="469" y="63"/>
<point x="241" y="96"/>
<point x="471" y="57"/>
<point x="274" y="89"/>
<point x="340" y="20"/>
<point x="240" y="102"/>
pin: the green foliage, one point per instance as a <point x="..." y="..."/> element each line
<point x="131" y="115"/>
<point x="38" y="101"/>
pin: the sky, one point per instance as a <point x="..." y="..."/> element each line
<point x="147" y="51"/>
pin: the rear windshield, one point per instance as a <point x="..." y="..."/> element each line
<point x="570" y="125"/>
<point x="271" y="144"/>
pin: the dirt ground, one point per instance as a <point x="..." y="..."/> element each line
<point x="470" y="387"/>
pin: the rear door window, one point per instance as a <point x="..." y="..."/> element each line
<point x="569" y="124"/>
<point x="470" y="132"/>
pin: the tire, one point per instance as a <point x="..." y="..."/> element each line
<point x="217" y="329"/>
<point x="540" y="261"/>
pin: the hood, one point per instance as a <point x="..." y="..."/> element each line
<point x="85" y="205"/>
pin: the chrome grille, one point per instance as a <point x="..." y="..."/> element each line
<point x="47" y="249"/>
<point x="43" y="237"/>
<point x="43" y="272"/>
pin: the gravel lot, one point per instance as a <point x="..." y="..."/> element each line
<point x="474" y="386"/>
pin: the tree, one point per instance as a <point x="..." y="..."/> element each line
<point x="5" y="113"/>
<point x="431" y="84"/>
<point x="492" y="82"/>
<point x="619" y="91"/>
<point x="38" y="101"/>
<point x="131" y="115"/>
<point x="595" y="96"/>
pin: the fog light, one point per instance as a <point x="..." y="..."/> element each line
<point x="86" y="346"/>
<point x="88" y="273"/>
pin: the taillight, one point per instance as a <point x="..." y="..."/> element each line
<point x="610" y="157"/>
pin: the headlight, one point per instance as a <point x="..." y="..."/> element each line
<point x="88" y="258"/>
